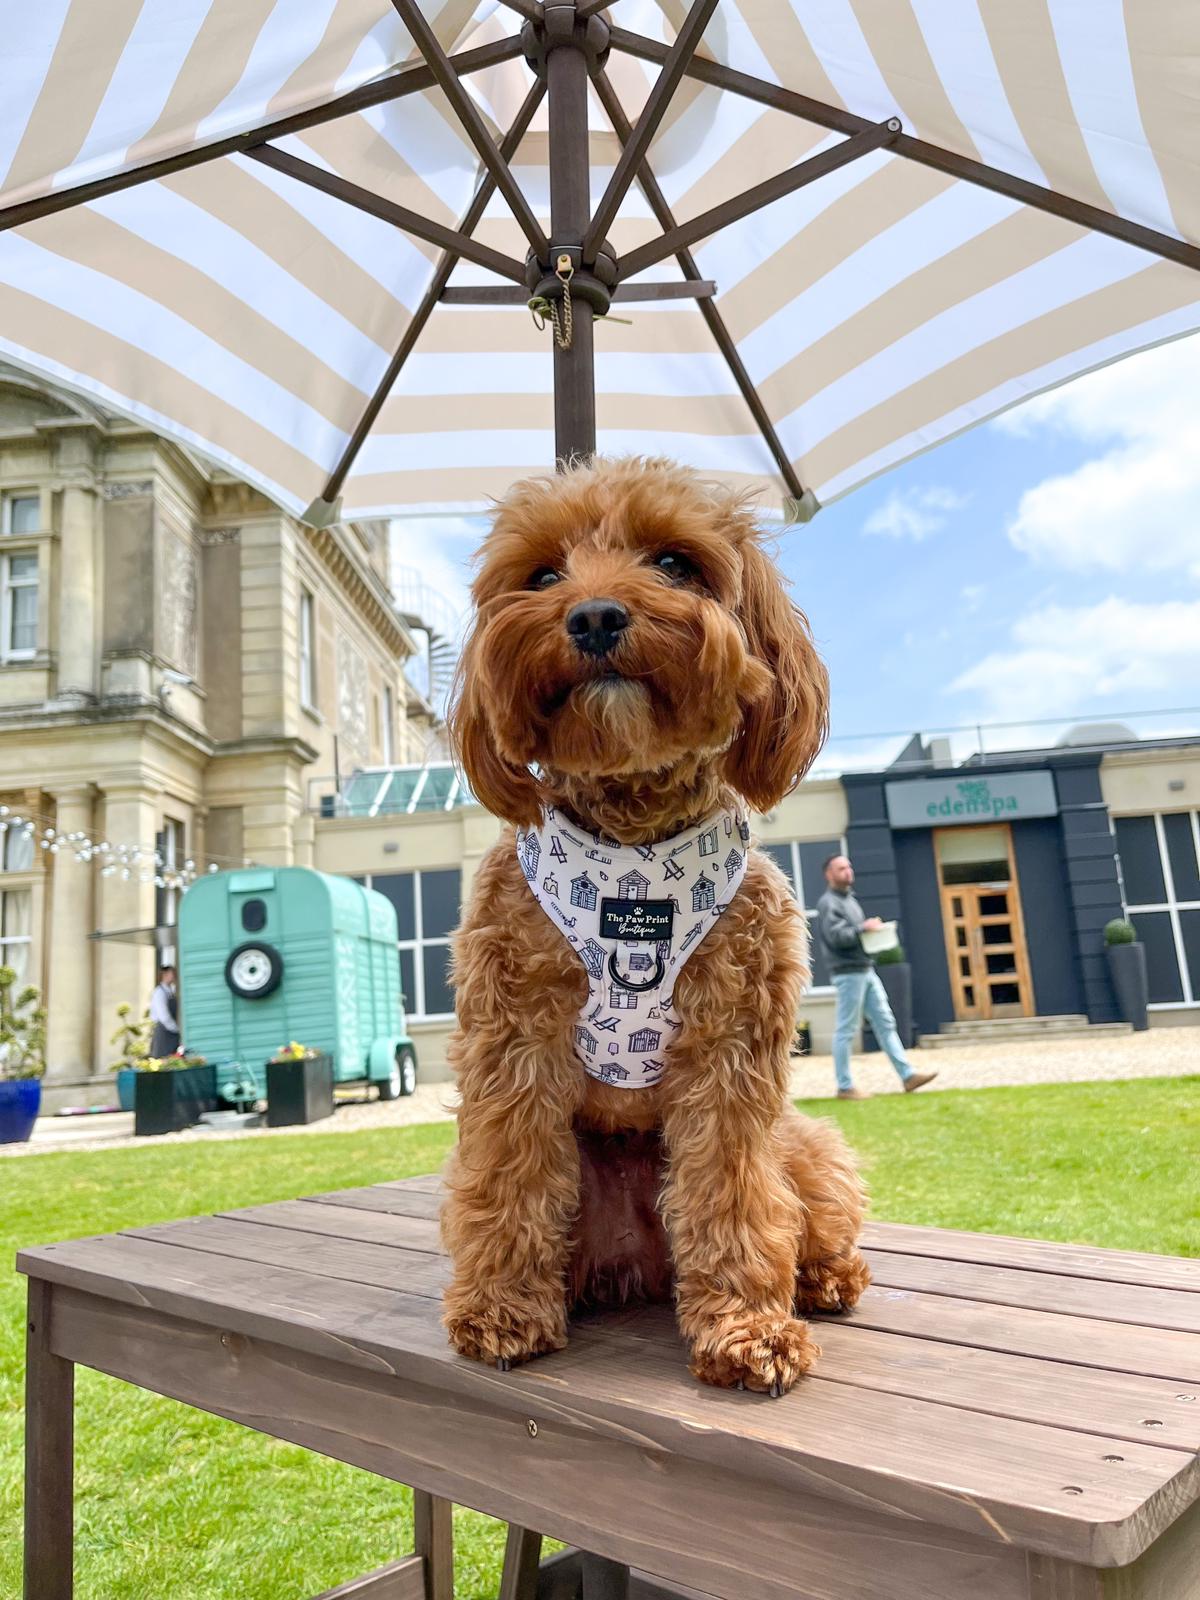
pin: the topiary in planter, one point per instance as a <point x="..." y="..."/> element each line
<point x="1127" y="969"/>
<point x="1118" y="931"/>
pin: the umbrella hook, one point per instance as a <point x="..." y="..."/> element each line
<point x="544" y="310"/>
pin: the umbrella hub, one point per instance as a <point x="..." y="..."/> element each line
<point x="564" y="276"/>
<point x="559" y="28"/>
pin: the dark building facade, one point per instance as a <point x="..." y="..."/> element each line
<point x="1003" y="872"/>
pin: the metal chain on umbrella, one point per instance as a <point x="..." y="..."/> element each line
<point x="545" y="310"/>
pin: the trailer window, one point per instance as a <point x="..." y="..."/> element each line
<point x="254" y="915"/>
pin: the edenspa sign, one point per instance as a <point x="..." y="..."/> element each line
<point x="943" y="802"/>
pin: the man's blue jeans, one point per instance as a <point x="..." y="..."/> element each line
<point x="858" y="992"/>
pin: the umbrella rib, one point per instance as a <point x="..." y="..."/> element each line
<point x="675" y="63"/>
<point x="446" y="265"/>
<point x="531" y="10"/>
<point x="921" y="151"/>
<point x="708" y="310"/>
<point x="409" y="80"/>
<point x="388" y="211"/>
<point x="473" y="124"/>
<point x="762" y="194"/>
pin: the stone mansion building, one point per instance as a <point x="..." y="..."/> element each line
<point x="177" y="658"/>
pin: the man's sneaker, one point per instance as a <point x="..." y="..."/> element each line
<point x="854" y="1094"/>
<point x="918" y="1081"/>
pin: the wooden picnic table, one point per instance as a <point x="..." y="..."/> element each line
<point x="1000" y="1419"/>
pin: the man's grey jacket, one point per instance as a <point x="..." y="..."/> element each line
<point x="839" y="923"/>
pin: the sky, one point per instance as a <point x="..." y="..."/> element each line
<point x="1044" y="565"/>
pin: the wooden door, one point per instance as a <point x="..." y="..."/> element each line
<point x="985" y="935"/>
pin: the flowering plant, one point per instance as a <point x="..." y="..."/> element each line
<point x="294" y="1052"/>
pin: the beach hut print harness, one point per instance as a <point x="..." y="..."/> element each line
<point x="633" y="914"/>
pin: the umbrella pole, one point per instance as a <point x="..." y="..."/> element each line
<point x="567" y="72"/>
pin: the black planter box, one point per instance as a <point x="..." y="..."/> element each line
<point x="167" y="1101"/>
<point x="299" y="1091"/>
<point x="1127" y="968"/>
<point x="896" y="977"/>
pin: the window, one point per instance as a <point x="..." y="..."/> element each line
<point x="427" y="906"/>
<point x="16" y="933"/>
<point x="21" y="513"/>
<point x="18" y="607"/>
<point x="169" y="847"/>
<point x="308" y="665"/>
<point x="388" y="742"/>
<point x="1160" y="877"/>
<point x="16" y="847"/>
<point x="801" y="862"/>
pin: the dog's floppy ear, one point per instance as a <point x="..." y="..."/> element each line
<point x="784" y="729"/>
<point x="507" y="791"/>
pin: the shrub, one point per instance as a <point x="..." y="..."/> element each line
<point x="1118" y="931"/>
<point x="131" y="1038"/>
<point x="22" y="1029"/>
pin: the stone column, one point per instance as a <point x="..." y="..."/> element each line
<point x="70" y="991"/>
<point x="78" y="580"/>
<point x="125" y="970"/>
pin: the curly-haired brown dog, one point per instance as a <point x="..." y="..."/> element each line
<point x="634" y="645"/>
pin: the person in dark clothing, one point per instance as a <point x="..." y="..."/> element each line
<point x="164" y="1014"/>
<point x="840" y="924"/>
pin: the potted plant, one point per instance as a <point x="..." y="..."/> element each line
<point x="895" y="974"/>
<point x="171" y="1092"/>
<point x="1127" y="968"/>
<point x="299" y="1086"/>
<point x="22" y="1057"/>
<point x="133" y="1041"/>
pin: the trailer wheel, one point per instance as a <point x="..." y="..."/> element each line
<point x="402" y="1079"/>
<point x="254" y="970"/>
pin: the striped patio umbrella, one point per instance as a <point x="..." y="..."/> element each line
<point x="788" y="241"/>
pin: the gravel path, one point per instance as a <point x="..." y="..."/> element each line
<point x="1159" y="1053"/>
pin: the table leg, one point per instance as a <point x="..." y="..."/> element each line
<point x="49" y="1456"/>
<point x="433" y="1540"/>
<point x="522" y="1552"/>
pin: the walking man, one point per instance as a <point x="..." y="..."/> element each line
<point x="840" y="921"/>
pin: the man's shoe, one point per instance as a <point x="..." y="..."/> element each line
<point x="853" y="1094"/>
<point x="918" y="1081"/>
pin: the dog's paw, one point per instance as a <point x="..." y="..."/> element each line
<point x="503" y="1333"/>
<point x="834" y="1284"/>
<point x="754" y="1352"/>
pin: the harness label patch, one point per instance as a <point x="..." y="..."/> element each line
<point x="640" y="921"/>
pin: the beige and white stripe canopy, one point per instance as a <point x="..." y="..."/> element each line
<point x="874" y="311"/>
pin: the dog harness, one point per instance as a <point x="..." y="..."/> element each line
<point x="633" y="914"/>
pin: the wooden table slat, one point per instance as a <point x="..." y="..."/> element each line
<point x="1036" y="1255"/>
<point x="1048" y="1291"/>
<point x="346" y="1222"/>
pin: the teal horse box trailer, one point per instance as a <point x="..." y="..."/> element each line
<point x="272" y="954"/>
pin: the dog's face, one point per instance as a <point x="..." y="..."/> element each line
<point x="626" y="620"/>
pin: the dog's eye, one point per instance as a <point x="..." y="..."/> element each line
<point x="544" y="578"/>
<point x="678" y="568"/>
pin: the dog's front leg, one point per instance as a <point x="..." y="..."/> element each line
<point x="513" y="1191"/>
<point x="734" y="1223"/>
<point x="513" y="1181"/>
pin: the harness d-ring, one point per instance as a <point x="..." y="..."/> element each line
<point x="637" y="988"/>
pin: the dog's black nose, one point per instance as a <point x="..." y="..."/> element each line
<point x="596" y="625"/>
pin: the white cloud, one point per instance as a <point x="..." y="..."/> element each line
<point x="1136" y="505"/>
<point x="1064" y="656"/>
<point x="915" y="513"/>
<point x="972" y="595"/>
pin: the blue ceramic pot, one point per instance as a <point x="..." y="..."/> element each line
<point x="126" y="1080"/>
<point x="19" y="1102"/>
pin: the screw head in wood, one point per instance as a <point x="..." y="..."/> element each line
<point x="531" y="1425"/>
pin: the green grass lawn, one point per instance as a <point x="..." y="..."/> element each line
<point x="172" y="1503"/>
